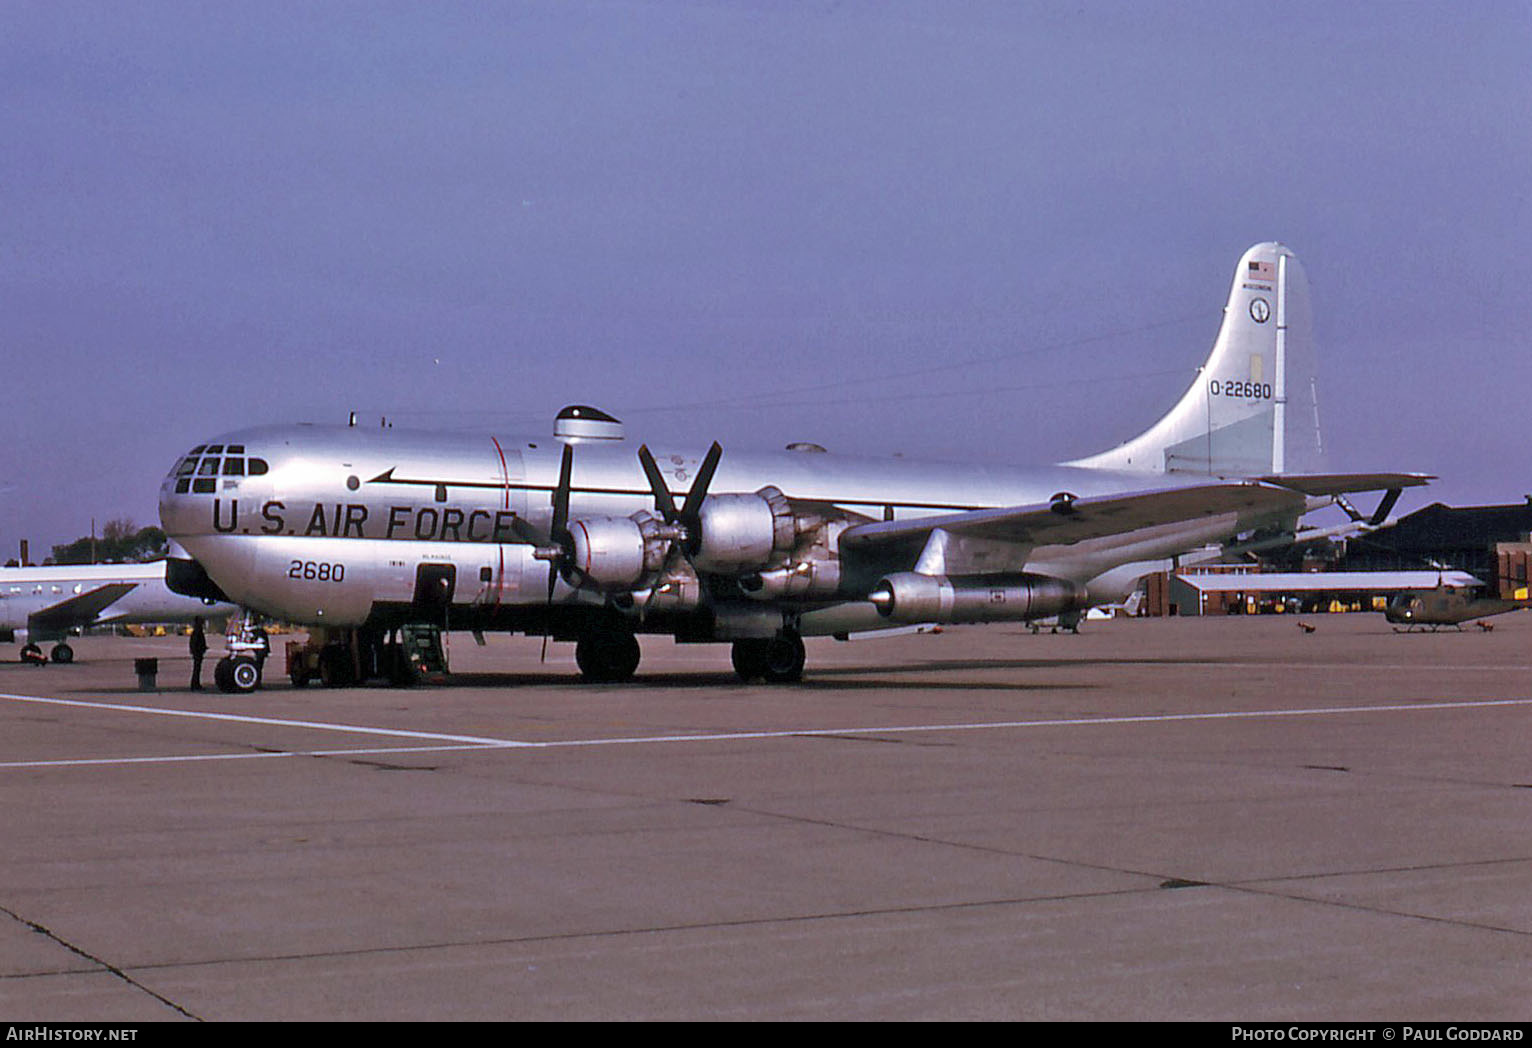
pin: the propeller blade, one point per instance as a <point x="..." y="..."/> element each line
<point x="529" y="533"/>
<point x="558" y="535"/>
<point x="664" y="504"/>
<point x="559" y="531"/>
<point x="698" y="492"/>
<point x="553" y="580"/>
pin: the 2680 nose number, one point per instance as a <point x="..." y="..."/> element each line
<point x="316" y="570"/>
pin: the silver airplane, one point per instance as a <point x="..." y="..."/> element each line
<point x="42" y="604"/>
<point x="357" y="532"/>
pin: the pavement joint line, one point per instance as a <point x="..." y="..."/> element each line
<point x="473" y="742"/>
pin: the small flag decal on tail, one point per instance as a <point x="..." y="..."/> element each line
<point x="1262" y="271"/>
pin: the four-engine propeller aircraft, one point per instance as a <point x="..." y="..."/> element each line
<point x="43" y="604"/>
<point x="588" y="539"/>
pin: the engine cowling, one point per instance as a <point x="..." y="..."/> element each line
<point x="910" y="597"/>
<point x="743" y="532"/>
<point x="619" y="553"/>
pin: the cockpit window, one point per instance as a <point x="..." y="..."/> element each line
<point x="195" y="472"/>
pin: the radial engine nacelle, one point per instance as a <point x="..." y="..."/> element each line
<point x="910" y="597"/>
<point x="743" y="532"/>
<point x="732" y="535"/>
<point x="620" y="553"/>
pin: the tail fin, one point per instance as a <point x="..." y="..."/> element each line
<point x="1253" y="409"/>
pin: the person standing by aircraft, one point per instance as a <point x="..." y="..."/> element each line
<point x="198" y="646"/>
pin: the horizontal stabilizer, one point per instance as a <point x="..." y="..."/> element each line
<point x="1325" y="484"/>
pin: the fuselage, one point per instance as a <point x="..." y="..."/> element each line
<point x="29" y="597"/>
<point x="1446" y="605"/>
<point x="317" y="524"/>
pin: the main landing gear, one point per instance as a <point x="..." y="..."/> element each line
<point x="607" y="654"/>
<point x="62" y="654"/>
<point x="777" y="660"/>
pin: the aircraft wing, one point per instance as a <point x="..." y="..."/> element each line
<point x="80" y="610"/>
<point x="1338" y="485"/>
<point x="1067" y="521"/>
<point x="1321" y="484"/>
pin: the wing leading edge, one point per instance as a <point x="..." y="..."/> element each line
<point x="1067" y="521"/>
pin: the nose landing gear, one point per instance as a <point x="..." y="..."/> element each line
<point x="239" y="672"/>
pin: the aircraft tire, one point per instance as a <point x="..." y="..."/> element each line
<point x="784" y="658"/>
<point x="749" y="658"/>
<point x="607" y="656"/>
<point x="223" y="675"/>
<point x="62" y="654"/>
<point x="244" y="675"/>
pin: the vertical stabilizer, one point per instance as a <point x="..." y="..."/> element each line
<point x="1252" y="409"/>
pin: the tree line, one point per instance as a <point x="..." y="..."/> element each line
<point x="120" y="541"/>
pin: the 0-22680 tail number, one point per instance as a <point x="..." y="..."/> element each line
<point x="1247" y="390"/>
<point x="316" y="570"/>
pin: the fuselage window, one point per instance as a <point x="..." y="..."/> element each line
<point x="209" y="468"/>
<point x="204" y="486"/>
<point x="257" y="467"/>
<point x="186" y="467"/>
<point x="234" y="467"/>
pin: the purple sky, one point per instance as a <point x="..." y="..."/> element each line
<point x="727" y="220"/>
